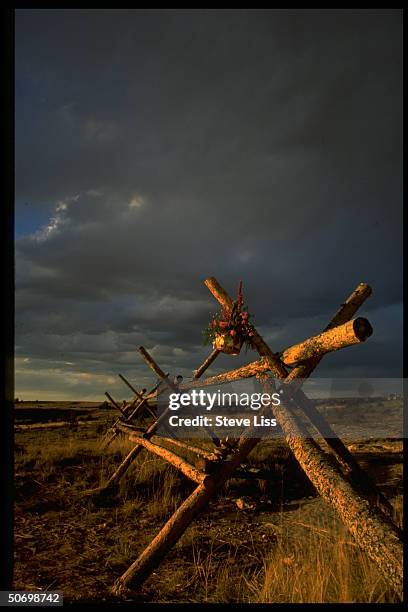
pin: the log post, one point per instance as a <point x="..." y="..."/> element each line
<point x="128" y="414"/>
<point x="200" y="452"/>
<point x="131" y="387"/>
<point x="197" y="450"/>
<point x="156" y="368"/>
<point x="372" y="531"/>
<point x="138" y="395"/>
<point x="275" y="364"/>
<point x="107" y="440"/>
<point x="131" y="456"/>
<point x="137" y="410"/>
<point x="153" y="392"/>
<point x="110" y="398"/>
<point x="178" y="462"/>
<point x="346" y="311"/>
<point x="352" y="332"/>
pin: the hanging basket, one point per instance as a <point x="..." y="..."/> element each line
<point x="231" y="345"/>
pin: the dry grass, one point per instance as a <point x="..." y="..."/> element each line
<point x="321" y="566"/>
<point x="282" y="553"/>
<point x="308" y="563"/>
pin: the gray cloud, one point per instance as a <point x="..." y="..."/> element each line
<point x="174" y="145"/>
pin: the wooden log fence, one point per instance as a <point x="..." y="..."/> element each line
<point x="337" y="477"/>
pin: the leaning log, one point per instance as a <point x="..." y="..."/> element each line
<point x="352" y="332"/>
<point x="275" y="365"/>
<point x="206" y="364"/>
<point x="114" y="403"/>
<point x="346" y="311"/>
<point x="372" y="532"/>
<point x="178" y="462"/>
<point x="138" y="395"/>
<point x="190" y="448"/>
<point x="156" y="368"/>
<point x="131" y="456"/>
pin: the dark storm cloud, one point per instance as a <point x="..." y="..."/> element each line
<point x="174" y="145"/>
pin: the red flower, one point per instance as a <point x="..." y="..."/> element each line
<point x="232" y="332"/>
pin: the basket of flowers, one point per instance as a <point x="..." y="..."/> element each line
<point x="230" y="329"/>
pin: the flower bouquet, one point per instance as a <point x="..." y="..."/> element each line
<point x="231" y="328"/>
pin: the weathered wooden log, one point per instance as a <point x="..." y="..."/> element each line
<point x="130" y="412"/>
<point x="125" y="412"/>
<point x="130" y="428"/>
<point x="372" y="531"/>
<point x="175" y="460"/>
<point x="276" y="366"/>
<point x="138" y="406"/>
<point x="206" y="364"/>
<point x="155" y="391"/>
<point x="128" y="460"/>
<point x="131" y="456"/>
<point x="131" y="387"/>
<point x="156" y="368"/>
<point x="358" y="476"/>
<point x="118" y="406"/>
<point x="129" y="415"/>
<point x="156" y="439"/>
<point x="352" y="332"/>
<point x="303" y="371"/>
<point x="295" y="379"/>
<point x="134" y="452"/>
<point x="346" y="311"/>
<point x="108" y="439"/>
<point x="138" y="395"/>
<point x="141" y="404"/>
<point x="190" y="448"/>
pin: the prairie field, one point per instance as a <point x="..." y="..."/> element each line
<point x="269" y="540"/>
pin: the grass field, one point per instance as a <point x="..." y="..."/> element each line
<point x="278" y="543"/>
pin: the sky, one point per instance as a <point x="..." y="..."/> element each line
<point x="155" y="148"/>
